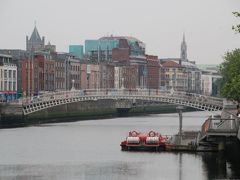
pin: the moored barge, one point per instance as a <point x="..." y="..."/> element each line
<point x="151" y="141"/>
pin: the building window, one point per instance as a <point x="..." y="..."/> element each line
<point x="10" y="74"/>
<point x="5" y="73"/>
<point x="10" y="86"/>
<point x="14" y="74"/>
<point x="5" y="86"/>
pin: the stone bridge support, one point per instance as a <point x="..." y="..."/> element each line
<point x="123" y="105"/>
<point x="11" y="115"/>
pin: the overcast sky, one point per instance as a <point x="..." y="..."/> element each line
<point x="158" y="23"/>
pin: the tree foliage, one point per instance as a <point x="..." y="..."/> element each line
<point x="236" y="28"/>
<point x="230" y="71"/>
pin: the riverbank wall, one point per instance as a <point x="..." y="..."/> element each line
<point x="12" y="116"/>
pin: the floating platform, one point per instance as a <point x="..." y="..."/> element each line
<point x="154" y="141"/>
<point x="151" y="141"/>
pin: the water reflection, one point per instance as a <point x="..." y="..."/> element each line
<point x="90" y="171"/>
<point x="212" y="166"/>
<point x="180" y="166"/>
<point x="215" y="165"/>
<point x="223" y="165"/>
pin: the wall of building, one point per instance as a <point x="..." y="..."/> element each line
<point x="27" y="77"/>
<point x="60" y="75"/>
<point x="8" y="78"/>
<point x="76" y="50"/>
<point x="74" y="76"/>
<point x="153" y="72"/>
<point x="210" y="84"/>
<point x="126" y="77"/>
<point x="106" y="75"/>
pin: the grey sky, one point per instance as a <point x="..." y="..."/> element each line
<point x="158" y="23"/>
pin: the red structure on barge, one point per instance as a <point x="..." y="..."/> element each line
<point x="152" y="141"/>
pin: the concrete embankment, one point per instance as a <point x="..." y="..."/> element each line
<point x="11" y="115"/>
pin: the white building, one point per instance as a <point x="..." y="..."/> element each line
<point x="210" y="83"/>
<point x="8" y="78"/>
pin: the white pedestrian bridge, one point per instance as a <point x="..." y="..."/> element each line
<point x="52" y="99"/>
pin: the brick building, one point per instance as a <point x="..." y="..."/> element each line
<point x="60" y="75"/>
<point x="153" y="72"/>
<point x="27" y="77"/>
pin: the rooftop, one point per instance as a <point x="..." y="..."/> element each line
<point x="130" y="38"/>
<point x="171" y="64"/>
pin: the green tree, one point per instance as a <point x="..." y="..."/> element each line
<point x="230" y="71"/>
<point x="237" y="27"/>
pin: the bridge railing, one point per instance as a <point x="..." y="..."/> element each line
<point x="219" y="125"/>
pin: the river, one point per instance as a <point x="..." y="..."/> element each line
<point x="89" y="150"/>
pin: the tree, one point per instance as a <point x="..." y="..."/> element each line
<point x="230" y="71"/>
<point x="237" y="27"/>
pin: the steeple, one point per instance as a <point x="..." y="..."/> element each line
<point x="35" y="35"/>
<point x="35" y="42"/>
<point x="184" y="49"/>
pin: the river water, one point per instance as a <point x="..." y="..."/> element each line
<point x="89" y="150"/>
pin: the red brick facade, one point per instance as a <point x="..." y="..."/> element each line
<point x="27" y="76"/>
<point x="153" y="72"/>
<point x="120" y="55"/>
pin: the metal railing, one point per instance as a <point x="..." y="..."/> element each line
<point x="63" y="97"/>
<point x="122" y="92"/>
<point x="219" y="127"/>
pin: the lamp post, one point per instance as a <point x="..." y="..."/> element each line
<point x="179" y="110"/>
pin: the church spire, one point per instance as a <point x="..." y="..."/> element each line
<point x="35" y="35"/>
<point x="184" y="49"/>
<point x="35" y="42"/>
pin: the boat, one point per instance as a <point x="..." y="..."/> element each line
<point x="151" y="141"/>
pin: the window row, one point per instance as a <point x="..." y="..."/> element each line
<point x="8" y="86"/>
<point x="8" y="73"/>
